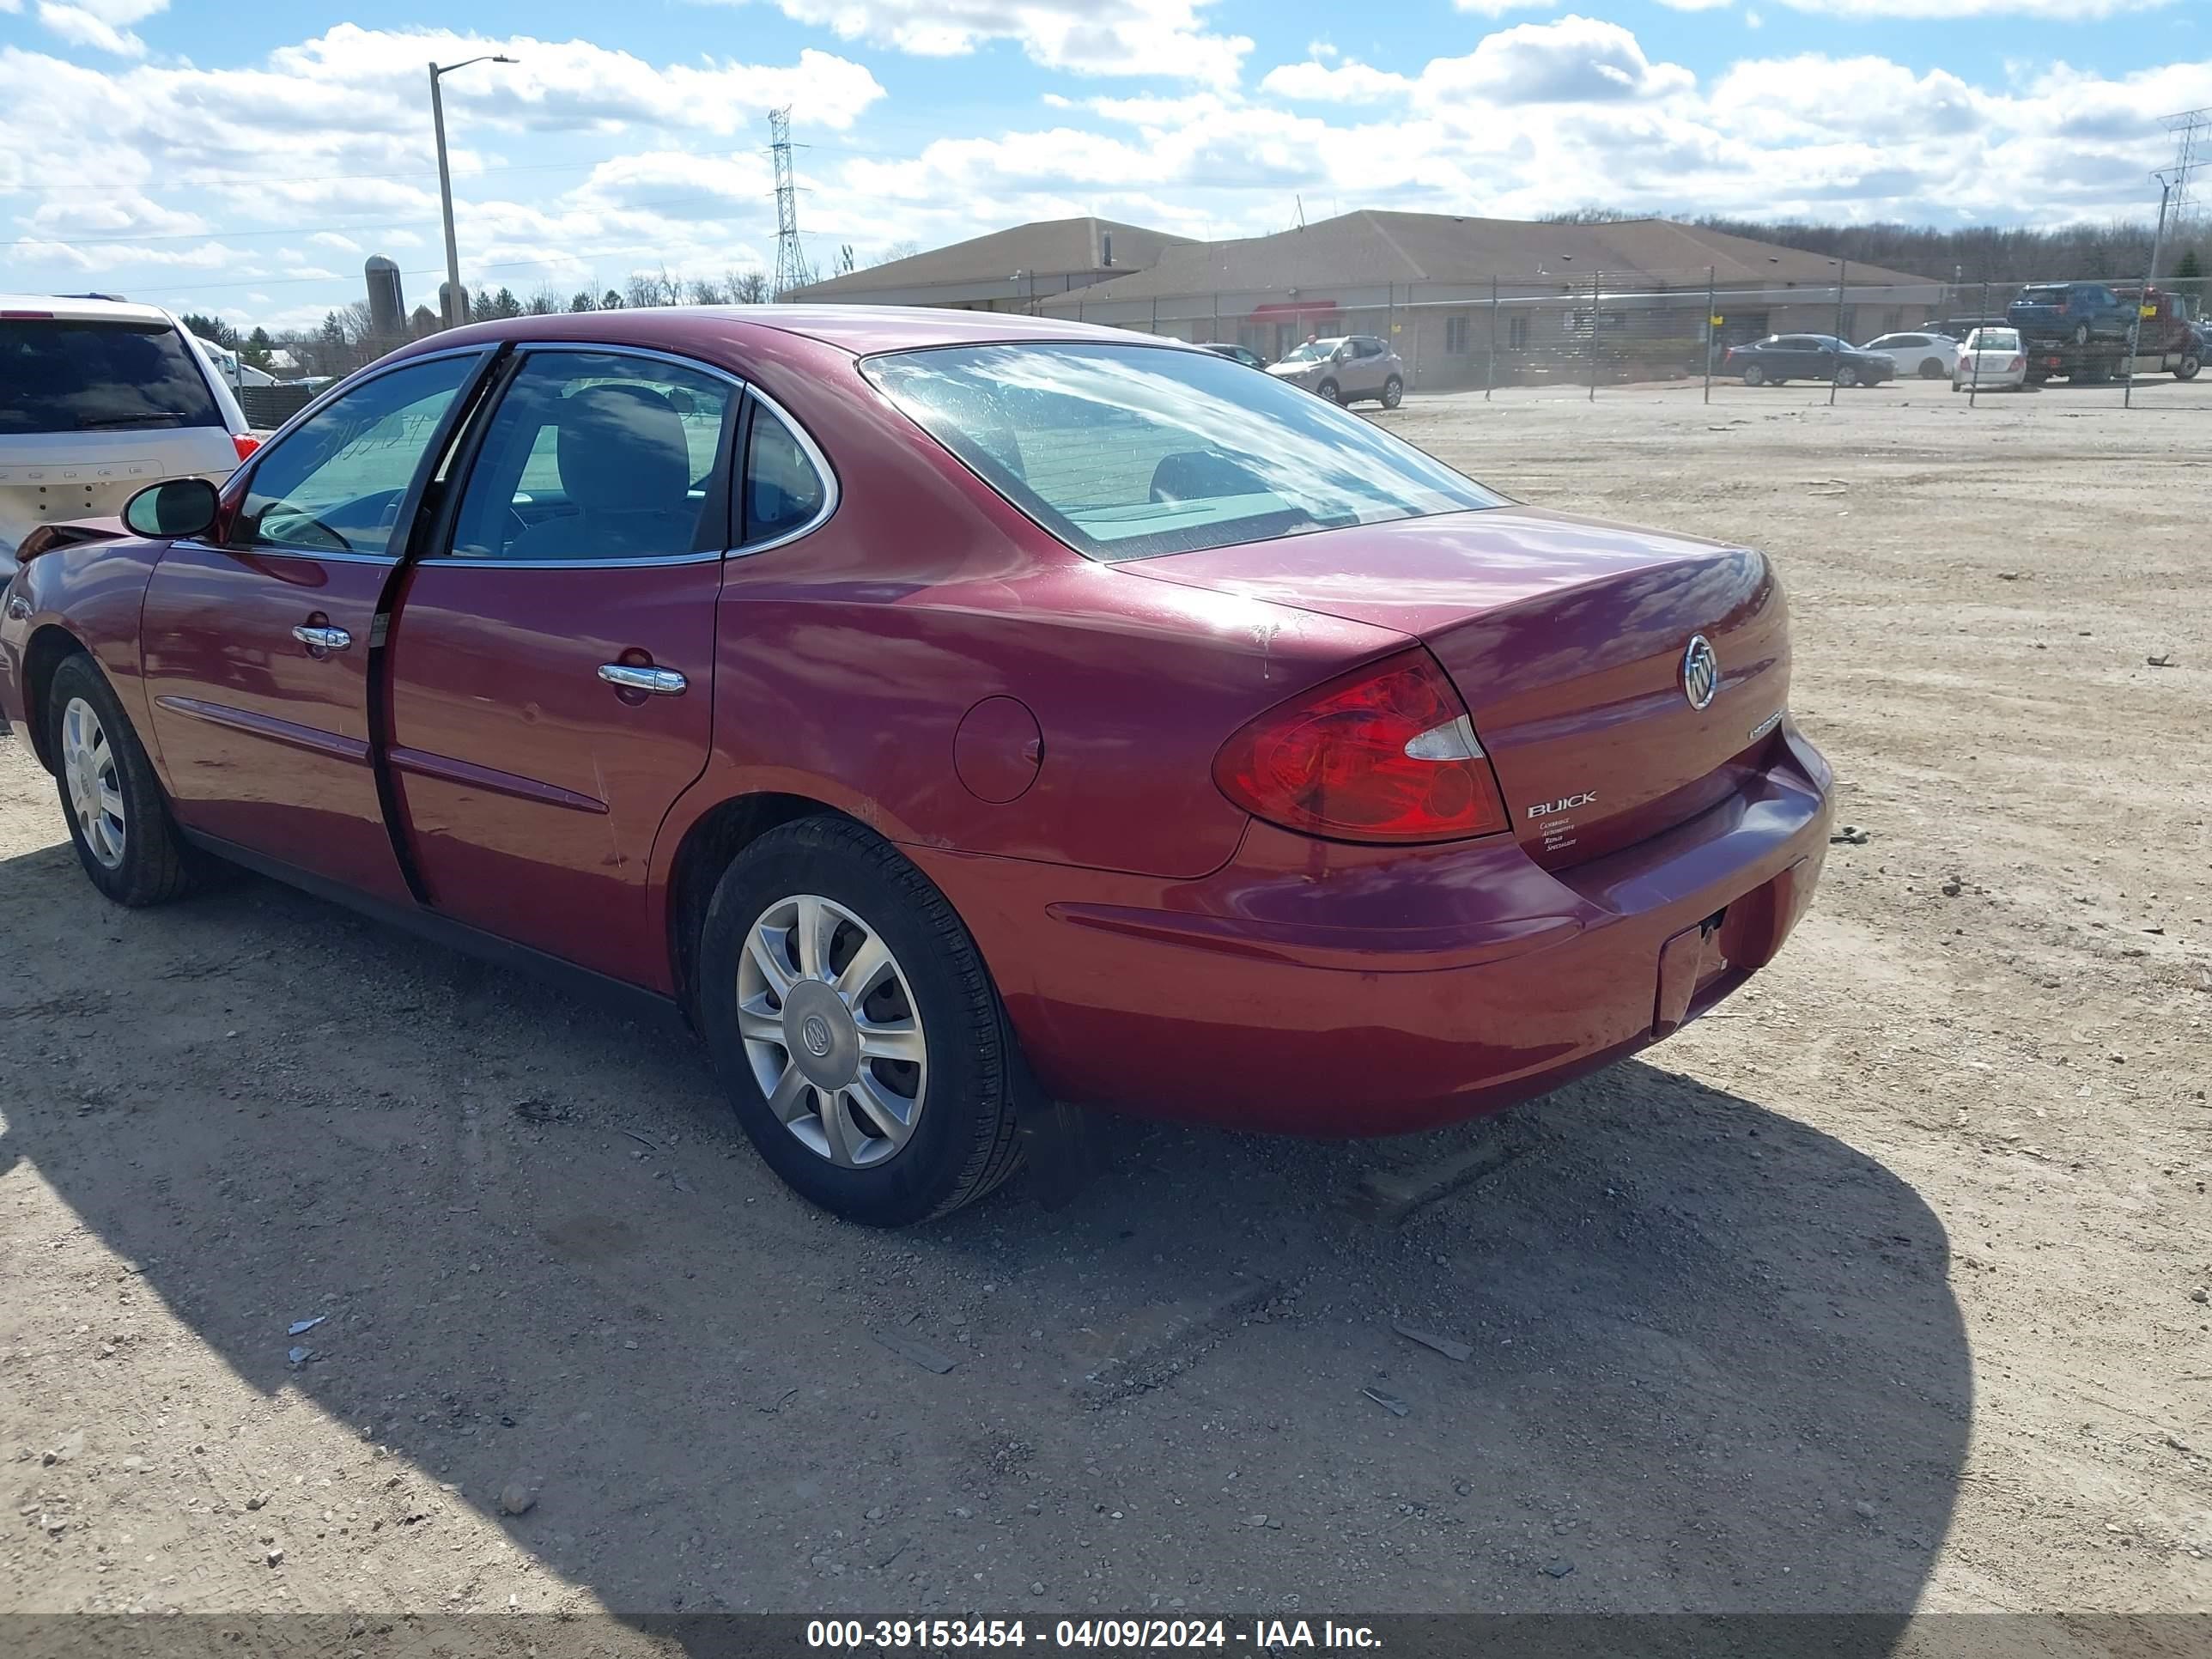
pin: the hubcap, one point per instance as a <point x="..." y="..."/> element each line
<point x="831" y="1031"/>
<point x="95" y="792"/>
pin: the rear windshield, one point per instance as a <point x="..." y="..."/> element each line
<point x="2042" y="296"/>
<point x="1995" y="339"/>
<point x="1129" y="452"/>
<point x="61" y="375"/>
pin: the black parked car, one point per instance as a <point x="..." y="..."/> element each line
<point x="1780" y="357"/>
<point x="1237" y="354"/>
<point x="2072" y="313"/>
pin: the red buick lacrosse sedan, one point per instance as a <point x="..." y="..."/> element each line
<point x="946" y="710"/>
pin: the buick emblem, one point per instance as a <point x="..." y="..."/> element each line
<point x="1701" y="672"/>
<point x="814" y="1032"/>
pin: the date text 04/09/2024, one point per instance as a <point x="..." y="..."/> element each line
<point x="1263" y="1635"/>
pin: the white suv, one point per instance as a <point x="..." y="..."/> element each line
<point x="98" y="399"/>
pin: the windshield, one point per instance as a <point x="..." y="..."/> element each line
<point x="59" y="374"/>
<point x="1994" y="339"/>
<point x="1314" y="351"/>
<point x="1129" y="452"/>
<point x="2041" y="296"/>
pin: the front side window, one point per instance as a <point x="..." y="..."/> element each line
<point x="64" y="374"/>
<point x="335" y="483"/>
<point x="594" y="455"/>
<point x="1129" y="452"/>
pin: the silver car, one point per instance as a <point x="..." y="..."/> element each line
<point x="1347" y="369"/>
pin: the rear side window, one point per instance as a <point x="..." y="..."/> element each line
<point x="1128" y="452"/>
<point x="58" y="374"/>
<point x="783" y="492"/>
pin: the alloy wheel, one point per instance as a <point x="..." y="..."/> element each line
<point x="831" y="1031"/>
<point x="95" y="791"/>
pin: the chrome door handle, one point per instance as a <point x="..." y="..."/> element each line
<point x="322" y="638"/>
<point x="661" y="681"/>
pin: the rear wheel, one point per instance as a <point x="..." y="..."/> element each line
<point x="1754" y="374"/>
<point x="1932" y="369"/>
<point x="118" y="821"/>
<point x="1394" y="392"/>
<point x="854" y="1027"/>
<point x="2080" y="335"/>
<point x="2187" y="367"/>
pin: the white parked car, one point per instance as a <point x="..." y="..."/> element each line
<point x="99" y="399"/>
<point x="1918" y="351"/>
<point x="1991" y="361"/>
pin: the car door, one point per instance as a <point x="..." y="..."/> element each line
<point x="257" y="640"/>
<point x="551" y="658"/>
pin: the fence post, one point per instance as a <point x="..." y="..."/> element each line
<point x="2135" y="331"/>
<point x="1711" y="323"/>
<point x="1490" y="373"/>
<point x="1974" y="378"/>
<point x="1843" y="273"/>
<point x="1594" y="293"/>
<point x="1217" y="315"/>
<point x="1155" y="314"/>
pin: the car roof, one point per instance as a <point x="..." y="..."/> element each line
<point x="859" y="329"/>
<point x="74" y="307"/>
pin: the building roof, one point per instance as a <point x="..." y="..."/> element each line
<point x="1045" y="248"/>
<point x="1369" y="248"/>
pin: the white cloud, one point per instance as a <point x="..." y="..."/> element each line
<point x="1085" y="37"/>
<point x="1345" y="83"/>
<point x="331" y="238"/>
<point x="1697" y="5"/>
<point x="1575" y="60"/>
<point x="81" y="27"/>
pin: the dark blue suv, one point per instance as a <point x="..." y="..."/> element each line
<point x="2073" y="312"/>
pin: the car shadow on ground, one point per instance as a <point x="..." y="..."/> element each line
<point x="1713" y="1359"/>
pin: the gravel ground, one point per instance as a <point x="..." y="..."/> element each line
<point x="1881" y="1289"/>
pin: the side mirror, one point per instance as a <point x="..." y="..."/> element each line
<point x="179" y="507"/>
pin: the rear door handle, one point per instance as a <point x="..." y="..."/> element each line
<point x="660" y="682"/>
<point x="322" y="638"/>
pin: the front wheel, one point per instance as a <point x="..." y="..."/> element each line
<point x="2080" y="335"/>
<point x="118" y="818"/>
<point x="1327" y="389"/>
<point x="854" y="1027"/>
<point x="1394" y="392"/>
<point x="1847" y="376"/>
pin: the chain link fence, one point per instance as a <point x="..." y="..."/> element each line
<point x="1589" y="331"/>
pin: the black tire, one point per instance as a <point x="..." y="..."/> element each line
<point x="1933" y="369"/>
<point x="2187" y="367"/>
<point x="1394" y="392"/>
<point x="1847" y="376"/>
<point x="1754" y="374"/>
<point x="2080" y="335"/>
<point x="152" y="864"/>
<point x="962" y="1142"/>
<point x="1327" y="389"/>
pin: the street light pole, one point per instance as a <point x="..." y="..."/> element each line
<point x="455" y="310"/>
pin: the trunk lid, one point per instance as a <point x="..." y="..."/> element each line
<point x="1568" y="638"/>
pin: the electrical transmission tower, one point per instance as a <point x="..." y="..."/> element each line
<point x="2192" y="148"/>
<point x="791" y="269"/>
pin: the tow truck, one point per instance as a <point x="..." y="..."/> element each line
<point x="2161" y="341"/>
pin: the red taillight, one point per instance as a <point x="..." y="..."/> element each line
<point x="2017" y="363"/>
<point x="245" y="443"/>
<point x="1387" y="753"/>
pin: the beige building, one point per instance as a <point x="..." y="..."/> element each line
<point x="1465" y="299"/>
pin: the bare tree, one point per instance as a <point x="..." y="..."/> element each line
<point x="905" y="249"/>
<point x="704" y="291"/>
<point x="746" y="288"/>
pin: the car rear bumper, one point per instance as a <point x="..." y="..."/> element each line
<point x="1320" y="989"/>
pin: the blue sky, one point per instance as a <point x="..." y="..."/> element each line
<point x="245" y="159"/>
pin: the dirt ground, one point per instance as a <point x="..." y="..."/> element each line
<point x="1883" y="1288"/>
